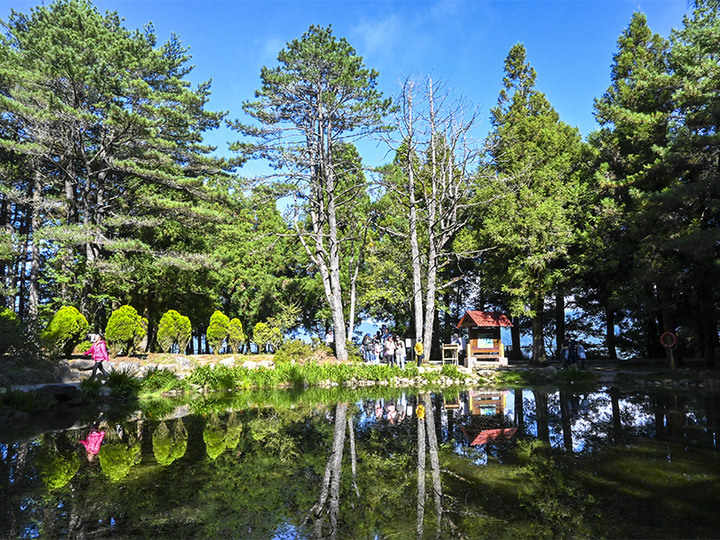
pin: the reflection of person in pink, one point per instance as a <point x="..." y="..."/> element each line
<point x="99" y="354"/>
<point x="391" y="413"/>
<point x="378" y="410"/>
<point x="92" y="443"/>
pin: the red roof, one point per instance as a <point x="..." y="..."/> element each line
<point x="493" y="435"/>
<point x="483" y="319"/>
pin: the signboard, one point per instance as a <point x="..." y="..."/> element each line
<point x="485" y="343"/>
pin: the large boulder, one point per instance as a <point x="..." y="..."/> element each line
<point x="64" y="394"/>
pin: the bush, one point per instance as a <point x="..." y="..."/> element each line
<point x="174" y="329"/>
<point x="294" y="350"/>
<point x="264" y="335"/>
<point x="161" y="380"/>
<point x="123" y="384"/>
<point x="217" y="330"/>
<point x="10" y="330"/>
<point x="66" y="329"/>
<point x="125" y="330"/>
<point x="236" y="336"/>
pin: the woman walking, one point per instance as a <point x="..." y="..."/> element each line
<point x="99" y="354"/>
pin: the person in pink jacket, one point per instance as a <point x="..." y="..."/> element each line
<point x="99" y="354"/>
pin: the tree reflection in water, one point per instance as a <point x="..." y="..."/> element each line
<point x="530" y="463"/>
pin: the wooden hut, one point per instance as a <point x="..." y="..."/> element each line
<point x="484" y="343"/>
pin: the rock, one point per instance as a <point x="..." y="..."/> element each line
<point x="82" y="365"/>
<point x="68" y="394"/>
<point x="229" y="361"/>
<point x="10" y="418"/>
<point x="126" y="367"/>
<point x="183" y="363"/>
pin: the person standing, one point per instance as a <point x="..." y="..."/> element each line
<point x="99" y="353"/>
<point x="581" y="354"/>
<point x="377" y="349"/>
<point x="390" y="350"/>
<point x="565" y="351"/>
<point x="419" y="352"/>
<point x="573" y="353"/>
<point x="400" y="351"/>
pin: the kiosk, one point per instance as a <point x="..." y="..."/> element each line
<point x="484" y="343"/>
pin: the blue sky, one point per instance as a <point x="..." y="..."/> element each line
<point x="463" y="42"/>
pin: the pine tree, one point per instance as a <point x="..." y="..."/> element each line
<point x="532" y="223"/>
<point x="319" y="97"/>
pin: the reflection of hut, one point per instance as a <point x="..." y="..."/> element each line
<point x="484" y="343"/>
<point x="487" y="422"/>
<point x="487" y="403"/>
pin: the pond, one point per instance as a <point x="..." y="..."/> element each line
<point x="474" y="463"/>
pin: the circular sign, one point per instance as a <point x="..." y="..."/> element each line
<point x="668" y="340"/>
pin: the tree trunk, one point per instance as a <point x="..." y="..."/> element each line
<point x="34" y="282"/>
<point x="538" y="338"/>
<point x="515" y="337"/>
<point x="559" y="322"/>
<point x="707" y="315"/>
<point x="541" y="414"/>
<point x="610" y="339"/>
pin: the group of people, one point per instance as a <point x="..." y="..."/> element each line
<point x="384" y="347"/>
<point x="572" y="353"/>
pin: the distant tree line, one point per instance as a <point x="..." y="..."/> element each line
<point x="110" y="198"/>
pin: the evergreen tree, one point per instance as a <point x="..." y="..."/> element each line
<point x="533" y="222"/>
<point x="318" y="97"/>
<point x="633" y="114"/>
<point x="108" y="134"/>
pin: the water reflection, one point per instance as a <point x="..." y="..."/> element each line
<point x="506" y="463"/>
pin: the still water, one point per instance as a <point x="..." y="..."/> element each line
<point x="533" y="463"/>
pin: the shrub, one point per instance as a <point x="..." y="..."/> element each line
<point x="161" y="380"/>
<point x="294" y="350"/>
<point x="452" y="371"/>
<point x="65" y="331"/>
<point x="264" y="335"/>
<point x="125" y="330"/>
<point x="174" y="329"/>
<point x="236" y="337"/>
<point x="10" y="330"/>
<point x="123" y="383"/>
<point x="217" y="330"/>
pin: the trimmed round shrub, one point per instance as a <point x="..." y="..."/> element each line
<point x="66" y="329"/>
<point x="125" y="330"/>
<point x="217" y="331"/>
<point x="264" y="335"/>
<point x="236" y="336"/>
<point x="174" y="329"/>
